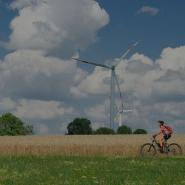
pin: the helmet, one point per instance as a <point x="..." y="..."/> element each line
<point x="161" y="122"/>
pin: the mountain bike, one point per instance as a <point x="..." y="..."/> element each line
<point x="151" y="149"/>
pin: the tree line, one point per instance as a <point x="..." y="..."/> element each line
<point x="12" y="125"/>
<point x="82" y="126"/>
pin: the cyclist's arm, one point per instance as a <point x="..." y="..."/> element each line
<point x="157" y="134"/>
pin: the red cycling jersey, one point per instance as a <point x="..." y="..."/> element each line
<point x="165" y="130"/>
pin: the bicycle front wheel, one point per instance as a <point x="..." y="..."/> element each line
<point x="174" y="149"/>
<point x="147" y="150"/>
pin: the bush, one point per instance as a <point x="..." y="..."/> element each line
<point x="104" y="130"/>
<point x="140" y="131"/>
<point x="124" y="130"/>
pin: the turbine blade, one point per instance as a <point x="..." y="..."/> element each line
<point x="92" y="63"/>
<point x="127" y="51"/>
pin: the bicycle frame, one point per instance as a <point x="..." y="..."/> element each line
<point x="156" y="144"/>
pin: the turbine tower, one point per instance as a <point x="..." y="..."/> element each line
<point x="114" y="81"/>
<point x="120" y="110"/>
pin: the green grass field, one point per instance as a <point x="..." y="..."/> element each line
<point x="91" y="170"/>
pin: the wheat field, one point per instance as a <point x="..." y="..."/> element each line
<point x="92" y="145"/>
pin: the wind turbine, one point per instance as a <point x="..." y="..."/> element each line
<point x="119" y="114"/>
<point x="113" y="80"/>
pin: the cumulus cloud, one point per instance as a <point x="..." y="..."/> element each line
<point x="41" y="110"/>
<point x="46" y="88"/>
<point x="19" y="4"/>
<point x="172" y="59"/>
<point x="37" y="79"/>
<point x="148" y="10"/>
<point x="45" y="116"/>
<point x="30" y="74"/>
<point x="59" y="28"/>
<point x="40" y="83"/>
<point x="7" y="104"/>
<point x="97" y="112"/>
<point x="94" y="83"/>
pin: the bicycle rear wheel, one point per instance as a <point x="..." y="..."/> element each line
<point x="147" y="150"/>
<point x="174" y="149"/>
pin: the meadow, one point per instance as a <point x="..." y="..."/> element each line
<point x="58" y="170"/>
<point x="86" y="160"/>
<point x="92" y="145"/>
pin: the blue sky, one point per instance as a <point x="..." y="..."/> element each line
<point x="42" y="85"/>
<point x="166" y="29"/>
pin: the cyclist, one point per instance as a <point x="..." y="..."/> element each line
<point x="165" y="133"/>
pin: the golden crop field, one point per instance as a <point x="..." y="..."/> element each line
<point x="104" y="145"/>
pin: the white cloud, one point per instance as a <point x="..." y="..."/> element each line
<point x="77" y="93"/>
<point x="95" y="83"/>
<point x="45" y="116"/>
<point x="97" y="113"/>
<point x="148" y="10"/>
<point x="41" y="110"/>
<point x="172" y="108"/>
<point x="57" y="27"/>
<point x="19" y="4"/>
<point x="7" y="104"/>
<point x="38" y="82"/>
<point x="30" y="74"/>
<point x="172" y="59"/>
<point x="36" y="109"/>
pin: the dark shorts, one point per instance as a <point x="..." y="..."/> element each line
<point x="167" y="136"/>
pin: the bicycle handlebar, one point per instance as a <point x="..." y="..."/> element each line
<point x="154" y="140"/>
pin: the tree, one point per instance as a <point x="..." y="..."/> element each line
<point x="124" y="130"/>
<point x="104" y="130"/>
<point x="140" y="131"/>
<point x="79" y="126"/>
<point x="11" y="125"/>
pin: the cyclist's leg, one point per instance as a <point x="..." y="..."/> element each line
<point x="166" y="137"/>
<point x="161" y="140"/>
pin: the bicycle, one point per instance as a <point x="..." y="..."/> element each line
<point x="151" y="149"/>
